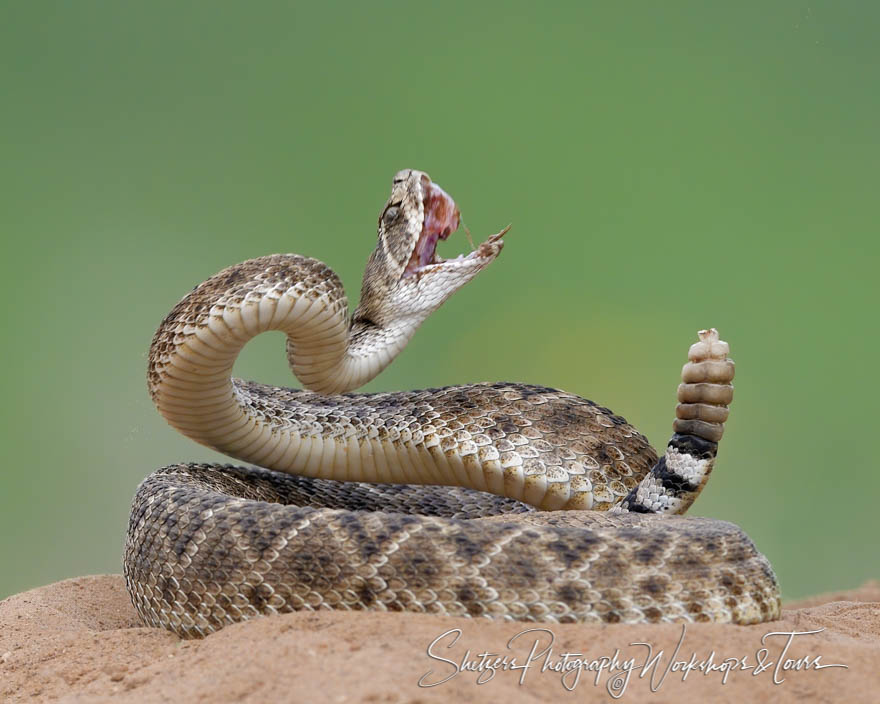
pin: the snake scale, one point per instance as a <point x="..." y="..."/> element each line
<point x="440" y="501"/>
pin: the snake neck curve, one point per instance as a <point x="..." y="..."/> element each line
<point x="195" y="348"/>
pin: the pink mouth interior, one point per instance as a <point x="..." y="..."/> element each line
<point x="441" y="220"/>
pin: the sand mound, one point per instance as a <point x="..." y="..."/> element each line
<point x="80" y="641"/>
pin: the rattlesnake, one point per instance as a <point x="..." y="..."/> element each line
<point x="336" y="521"/>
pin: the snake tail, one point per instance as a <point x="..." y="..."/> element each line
<point x="679" y="476"/>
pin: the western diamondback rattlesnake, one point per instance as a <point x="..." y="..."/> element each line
<point x="336" y="521"/>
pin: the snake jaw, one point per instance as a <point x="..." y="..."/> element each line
<point x="473" y="261"/>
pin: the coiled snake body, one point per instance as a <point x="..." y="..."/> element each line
<point x="436" y="501"/>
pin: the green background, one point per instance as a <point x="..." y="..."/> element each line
<point x="666" y="167"/>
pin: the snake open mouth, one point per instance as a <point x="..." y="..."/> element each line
<point x="441" y="219"/>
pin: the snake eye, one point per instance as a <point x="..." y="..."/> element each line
<point x="390" y="214"/>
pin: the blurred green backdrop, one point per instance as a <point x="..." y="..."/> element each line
<point x="666" y="166"/>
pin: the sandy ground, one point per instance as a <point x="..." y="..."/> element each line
<point x="80" y="641"/>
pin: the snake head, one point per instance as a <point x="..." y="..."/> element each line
<point x="405" y="277"/>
